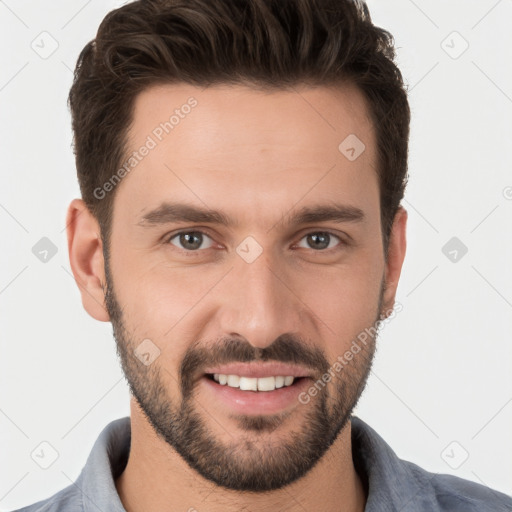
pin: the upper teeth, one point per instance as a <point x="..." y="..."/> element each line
<point x="253" y="383"/>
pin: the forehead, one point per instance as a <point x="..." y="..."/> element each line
<point x="248" y="149"/>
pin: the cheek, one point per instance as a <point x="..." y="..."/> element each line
<point x="344" y="302"/>
<point x="154" y="293"/>
<point x="167" y="304"/>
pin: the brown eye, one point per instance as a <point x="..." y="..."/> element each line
<point x="190" y="240"/>
<point x="320" y="240"/>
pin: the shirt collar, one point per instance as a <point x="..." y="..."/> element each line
<point x="391" y="484"/>
<point x="105" y="463"/>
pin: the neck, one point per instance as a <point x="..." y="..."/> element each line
<point x="156" y="478"/>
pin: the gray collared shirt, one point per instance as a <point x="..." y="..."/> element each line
<point x="392" y="484"/>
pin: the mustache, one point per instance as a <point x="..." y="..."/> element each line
<point x="286" y="349"/>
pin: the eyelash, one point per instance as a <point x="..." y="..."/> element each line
<point x="170" y="237"/>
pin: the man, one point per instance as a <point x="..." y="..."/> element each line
<point x="242" y="166"/>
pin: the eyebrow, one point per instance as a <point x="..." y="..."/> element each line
<point x="168" y="213"/>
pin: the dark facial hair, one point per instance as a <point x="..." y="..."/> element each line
<point x="250" y="464"/>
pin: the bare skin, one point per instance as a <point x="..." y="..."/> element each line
<point x="258" y="157"/>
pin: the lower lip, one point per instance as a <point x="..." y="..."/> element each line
<point x="257" y="402"/>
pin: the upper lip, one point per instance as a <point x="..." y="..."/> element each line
<point x="269" y="369"/>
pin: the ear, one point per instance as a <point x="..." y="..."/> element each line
<point x="395" y="259"/>
<point x="86" y="258"/>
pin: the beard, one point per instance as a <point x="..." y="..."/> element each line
<point x="257" y="462"/>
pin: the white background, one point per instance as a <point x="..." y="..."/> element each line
<point x="443" y="370"/>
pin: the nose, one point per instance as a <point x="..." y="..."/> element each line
<point x="258" y="301"/>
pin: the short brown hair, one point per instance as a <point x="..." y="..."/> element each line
<point x="273" y="44"/>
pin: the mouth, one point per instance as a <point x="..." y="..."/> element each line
<point x="257" y="384"/>
<point x="252" y="396"/>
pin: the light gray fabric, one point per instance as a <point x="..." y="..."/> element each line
<point x="393" y="484"/>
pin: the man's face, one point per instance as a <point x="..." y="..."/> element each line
<point x="264" y="289"/>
